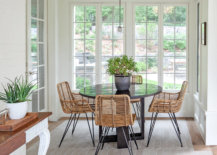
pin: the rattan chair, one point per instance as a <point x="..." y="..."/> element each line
<point x="114" y="111"/>
<point x="74" y="104"/>
<point x="136" y="79"/>
<point x="167" y="103"/>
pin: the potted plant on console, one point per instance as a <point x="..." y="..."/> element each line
<point x="122" y="68"/>
<point x="16" y="94"/>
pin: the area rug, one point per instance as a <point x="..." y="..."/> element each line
<point x="164" y="141"/>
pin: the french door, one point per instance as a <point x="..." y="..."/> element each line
<point x="37" y="53"/>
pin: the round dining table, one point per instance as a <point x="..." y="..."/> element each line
<point x="136" y="91"/>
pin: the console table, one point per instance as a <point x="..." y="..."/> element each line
<point x="14" y="143"/>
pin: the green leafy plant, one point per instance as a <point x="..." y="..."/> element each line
<point x="123" y="66"/>
<point x="17" y="90"/>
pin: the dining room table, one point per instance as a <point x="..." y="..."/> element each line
<point x="136" y="91"/>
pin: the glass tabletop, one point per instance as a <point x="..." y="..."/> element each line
<point x="135" y="91"/>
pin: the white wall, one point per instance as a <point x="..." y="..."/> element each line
<point x="65" y="51"/>
<point x="12" y="38"/>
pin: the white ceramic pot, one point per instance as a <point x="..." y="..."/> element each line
<point x="17" y="110"/>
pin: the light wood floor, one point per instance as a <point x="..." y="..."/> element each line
<point x="197" y="139"/>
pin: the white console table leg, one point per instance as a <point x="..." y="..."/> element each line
<point x="44" y="142"/>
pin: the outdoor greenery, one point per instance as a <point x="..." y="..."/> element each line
<point x="17" y="90"/>
<point x="80" y="82"/>
<point x="124" y="66"/>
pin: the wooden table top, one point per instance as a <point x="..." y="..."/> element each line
<point x="7" y="137"/>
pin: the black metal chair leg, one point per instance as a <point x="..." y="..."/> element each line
<point x="174" y="116"/>
<point x="93" y="125"/>
<point x="75" y="123"/>
<point x="90" y="130"/>
<point x="134" y="137"/>
<point x="125" y="137"/>
<point x="67" y="128"/>
<point x="153" y="120"/>
<point x="176" y="129"/>
<point x="106" y="133"/>
<point x="100" y="141"/>
<point x="130" y="140"/>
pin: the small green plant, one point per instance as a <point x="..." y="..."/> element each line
<point x="123" y="66"/>
<point x="17" y="91"/>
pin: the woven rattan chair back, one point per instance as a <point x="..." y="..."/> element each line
<point x="137" y="79"/>
<point x="65" y="96"/>
<point x="113" y="111"/>
<point x="183" y="90"/>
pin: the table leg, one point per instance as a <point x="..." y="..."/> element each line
<point x="142" y="118"/>
<point x="121" y="143"/>
<point x="100" y="131"/>
<point x="44" y="142"/>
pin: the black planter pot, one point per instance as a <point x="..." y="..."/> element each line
<point x="122" y="82"/>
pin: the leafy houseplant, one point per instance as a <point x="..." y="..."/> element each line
<point x="16" y="94"/>
<point x="122" y="68"/>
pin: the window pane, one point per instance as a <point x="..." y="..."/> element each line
<point x="79" y="31"/>
<point x="34" y="8"/>
<point x="79" y="64"/>
<point x="90" y="46"/>
<point x="90" y="64"/>
<point x="169" y="14"/>
<point x="79" y="47"/>
<point x="105" y="64"/>
<point x="179" y="78"/>
<point x="90" y="31"/>
<point x="34" y="56"/>
<point x="90" y="14"/>
<point x="180" y="31"/>
<point x="41" y="99"/>
<point x="180" y="65"/>
<point x="168" y="81"/>
<point x="35" y="101"/>
<point x="107" y="48"/>
<point x="107" y="31"/>
<point x="41" y="31"/>
<point x="79" y="14"/>
<point x="152" y="47"/>
<point x="117" y="34"/>
<point x="34" y="30"/>
<point x="118" y="47"/>
<point x="141" y="64"/>
<point x="41" y="76"/>
<point x="107" y="12"/>
<point x="41" y="9"/>
<point x="41" y="54"/>
<point x="152" y="79"/>
<point x="152" y="13"/>
<point x="152" y="30"/>
<point x="107" y="78"/>
<point x="180" y="14"/>
<point x="140" y="31"/>
<point x="90" y="80"/>
<point x="152" y="65"/>
<point x="169" y="47"/>
<point x="180" y="47"/>
<point x="168" y="65"/>
<point x="140" y="14"/>
<point x="80" y="79"/>
<point x="140" y="47"/>
<point x="116" y="14"/>
<point x="169" y="31"/>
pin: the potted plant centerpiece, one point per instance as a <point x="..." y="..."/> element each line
<point x="16" y="94"/>
<point x="122" y="68"/>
